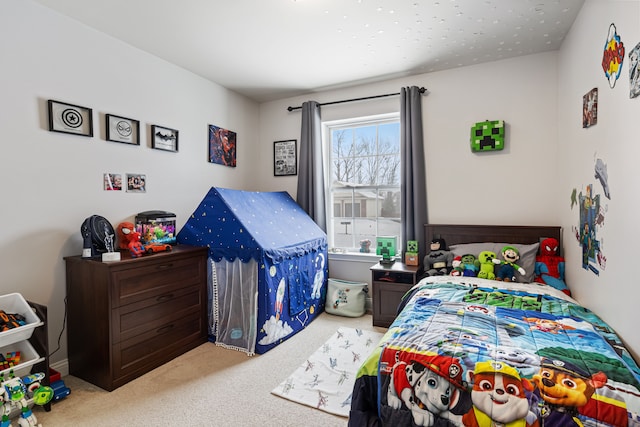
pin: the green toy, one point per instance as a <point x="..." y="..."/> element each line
<point x="487" y="136"/>
<point x="470" y="265"/>
<point x="486" y="265"/>
<point x="508" y="266"/>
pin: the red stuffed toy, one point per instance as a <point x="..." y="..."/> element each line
<point x="124" y="234"/>
<point x="550" y="266"/>
<point x="135" y="247"/>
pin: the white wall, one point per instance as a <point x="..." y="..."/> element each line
<point x="53" y="181"/>
<point x="502" y="187"/>
<point x="613" y="294"/>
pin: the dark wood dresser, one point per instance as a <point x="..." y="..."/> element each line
<point x="128" y="317"/>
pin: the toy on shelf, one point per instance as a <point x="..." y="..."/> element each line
<point x="15" y="392"/>
<point x="153" y="248"/>
<point x="135" y="247"/>
<point x="124" y="234"/>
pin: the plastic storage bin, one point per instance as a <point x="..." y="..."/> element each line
<point x="28" y="357"/>
<point x="15" y="303"/>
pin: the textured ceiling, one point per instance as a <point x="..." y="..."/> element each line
<point x="273" y="49"/>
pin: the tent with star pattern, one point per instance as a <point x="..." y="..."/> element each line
<point x="268" y="266"/>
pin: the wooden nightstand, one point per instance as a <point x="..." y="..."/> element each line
<point x="390" y="283"/>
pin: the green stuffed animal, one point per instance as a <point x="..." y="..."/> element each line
<point x="470" y="265"/>
<point x="486" y="265"/>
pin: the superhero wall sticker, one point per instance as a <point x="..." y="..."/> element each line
<point x="613" y="56"/>
<point x="592" y="210"/>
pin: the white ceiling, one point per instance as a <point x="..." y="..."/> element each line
<point x="274" y="49"/>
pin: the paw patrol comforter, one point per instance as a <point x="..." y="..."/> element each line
<point x="464" y="353"/>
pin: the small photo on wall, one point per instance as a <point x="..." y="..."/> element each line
<point x="112" y="182"/>
<point x="222" y="146"/>
<point x="590" y="108"/>
<point x="136" y="183"/>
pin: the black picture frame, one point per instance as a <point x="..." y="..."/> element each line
<point x="122" y="129"/>
<point x="69" y="118"/>
<point x="163" y="138"/>
<point x="285" y="157"/>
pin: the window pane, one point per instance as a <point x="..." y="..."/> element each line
<point x="389" y="170"/>
<point x="364" y="182"/>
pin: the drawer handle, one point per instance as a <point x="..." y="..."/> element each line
<point x="164" y="329"/>
<point x="165" y="266"/>
<point x="164" y="298"/>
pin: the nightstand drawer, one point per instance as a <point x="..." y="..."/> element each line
<point x="134" y="319"/>
<point x="155" y="279"/>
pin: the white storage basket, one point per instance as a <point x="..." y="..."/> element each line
<point x="15" y="303"/>
<point x="345" y="298"/>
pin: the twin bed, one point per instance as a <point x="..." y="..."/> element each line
<point x="466" y="351"/>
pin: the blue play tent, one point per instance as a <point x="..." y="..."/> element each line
<point x="268" y="266"/>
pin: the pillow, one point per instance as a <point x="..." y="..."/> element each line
<point x="527" y="255"/>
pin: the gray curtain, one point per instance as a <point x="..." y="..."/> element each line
<point x="311" y="195"/>
<point x="413" y="185"/>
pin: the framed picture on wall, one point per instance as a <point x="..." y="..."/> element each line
<point x="285" y="158"/>
<point x="69" y="118"/>
<point x="122" y="129"/>
<point x="164" y="138"/>
<point x="222" y="146"/>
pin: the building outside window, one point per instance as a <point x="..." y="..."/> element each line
<point x="363" y="181"/>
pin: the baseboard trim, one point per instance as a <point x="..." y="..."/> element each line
<point x="62" y="367"/>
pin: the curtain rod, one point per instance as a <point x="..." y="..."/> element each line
<point x="422" y="90"/>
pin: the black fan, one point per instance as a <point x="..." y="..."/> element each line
<point x="98" y="236"/>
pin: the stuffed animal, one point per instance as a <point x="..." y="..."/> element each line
<point x="486" y="266"/>
<point x="438" y="261"/>
<point x="457" y="266"/>
<point x="550" y="266"/>
<point x="507" y="266"/>
<point x="135" y="247"/>
<point x="124" y="231"/>
<point x="470" y="265"/>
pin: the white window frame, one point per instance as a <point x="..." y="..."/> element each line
<point x="327" y="126"/>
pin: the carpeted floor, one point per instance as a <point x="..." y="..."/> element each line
<point x="208" y="386"/>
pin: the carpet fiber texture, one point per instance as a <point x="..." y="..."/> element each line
<point x="325" y="380"/>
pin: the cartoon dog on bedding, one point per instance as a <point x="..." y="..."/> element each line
<point x="429" y="386"/>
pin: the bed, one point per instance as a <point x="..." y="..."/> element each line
<point x="469" y="351"/>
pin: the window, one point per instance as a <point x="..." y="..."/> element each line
<point x="363" y="180"/>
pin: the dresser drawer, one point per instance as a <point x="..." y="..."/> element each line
<point x="155" y="347"/>
<point x="155" y="278"/>
<point x="134" y="319"/>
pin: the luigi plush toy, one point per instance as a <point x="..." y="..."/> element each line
<point x="507" y="265"/>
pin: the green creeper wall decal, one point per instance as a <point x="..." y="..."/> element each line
<point x="487" y="136"/>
